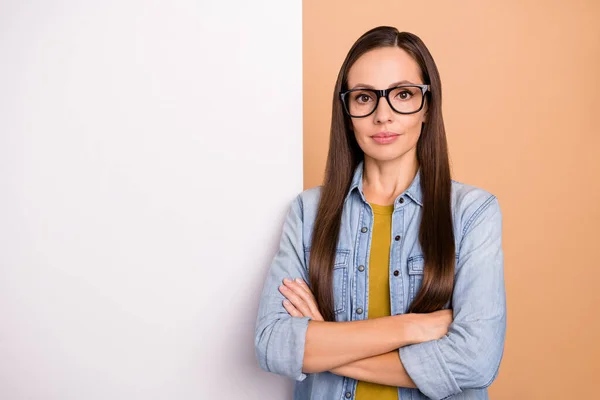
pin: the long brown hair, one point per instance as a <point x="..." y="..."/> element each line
<point x="435" y="232"/>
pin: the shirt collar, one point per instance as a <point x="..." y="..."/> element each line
<point x="413" y="191"/>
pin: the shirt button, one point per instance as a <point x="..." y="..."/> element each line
<point x="348" y="395"/>
<point x="396" y="273"/>
<point x="361" y="268"/>
<point x="401" y="200"/>
<point x="397" y="238"/>
<point x="364" y="229"/>
<point x="359" y="310"/>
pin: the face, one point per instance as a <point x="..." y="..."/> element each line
<point x="386" y="135"/>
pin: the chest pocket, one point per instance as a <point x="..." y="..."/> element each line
<point x="339" y="279"/>
<point x="416" y="266"/>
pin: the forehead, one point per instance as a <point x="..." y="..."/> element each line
<point x="383" y="66"/>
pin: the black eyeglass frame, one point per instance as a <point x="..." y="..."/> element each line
<point x="385" y="93"/>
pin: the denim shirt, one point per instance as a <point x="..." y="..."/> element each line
<point x="460" y="365"/>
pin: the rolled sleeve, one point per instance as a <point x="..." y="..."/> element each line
<point x="469" y="356"/>
<point x="280" y="338"/>
<point x="426" y="366"/>
<point x="283" y="349"/>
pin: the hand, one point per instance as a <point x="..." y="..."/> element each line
<point x="300" y="301"/>
<point x="431" y="326"/>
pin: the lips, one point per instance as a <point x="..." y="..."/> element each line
<point x="385" y="137"/>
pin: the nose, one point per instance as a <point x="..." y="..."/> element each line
<point x="383" y="112"/>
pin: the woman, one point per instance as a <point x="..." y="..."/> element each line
<point x="388" y="282"/>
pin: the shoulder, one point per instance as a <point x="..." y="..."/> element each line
<point x="308" y="202"/>
<point x="304" y="212"/>
<point x="310" y="197"/>
<point x="470" y="203"/>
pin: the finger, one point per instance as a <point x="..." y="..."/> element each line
<point x="298" y="283"/>
<point x="314" y="305"/>
<point x="303" y="285"/>
<point x="318" y="317"/>
<point x="306" y="296"/>
<point x="315" y="314"/>
<point x="289" y="307"/>
<point x="300" y="291"/>
<point x="296" y="300"/>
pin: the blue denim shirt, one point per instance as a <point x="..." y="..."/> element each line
<point x="462" y="364"/>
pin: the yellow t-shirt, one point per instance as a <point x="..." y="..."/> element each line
<point x="379" y="291"/>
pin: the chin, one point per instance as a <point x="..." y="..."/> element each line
<point x="385" y="155"/>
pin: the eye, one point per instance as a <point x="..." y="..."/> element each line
<point x="404" y="94"/>
<point x="362" y="98"/>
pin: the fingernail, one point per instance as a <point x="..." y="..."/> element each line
<point x="286" y="280"/>
<point x="298" y="280"/>
<point x="286" y="302"/>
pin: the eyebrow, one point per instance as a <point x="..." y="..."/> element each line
<point x="365" y="86"/>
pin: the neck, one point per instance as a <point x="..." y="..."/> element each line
<point x="384" y="181"/>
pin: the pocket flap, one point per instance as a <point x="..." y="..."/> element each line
<point x="416" y="265"/>
<point x="341" y="258"/>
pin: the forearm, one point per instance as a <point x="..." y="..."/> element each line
<point x="384" y="369"/>
<point x="333" y="344"/>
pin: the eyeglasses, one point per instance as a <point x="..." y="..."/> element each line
<point x="404" y="99"/>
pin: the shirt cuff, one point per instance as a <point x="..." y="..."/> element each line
<point x="291" y="334"/>
<point x="427" y="368"/>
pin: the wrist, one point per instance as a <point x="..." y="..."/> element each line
<point x="409" y="326"/>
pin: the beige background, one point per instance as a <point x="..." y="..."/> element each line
<point x="521" y="104"/>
